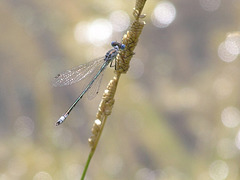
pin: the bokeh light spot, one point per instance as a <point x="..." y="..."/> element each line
<point x="237" y="140"/>
<point x="80" y="32"/>
<point x="164" y="14"/>
<point x="224" y="54"/>
<point x="229" y="50"/>
<point x="230" y="117"/>
<point x="120" y="20"/>
<point x="99" y="32"/>
<point x="210" y="5"/>
<point x="218" y="170"/>
<point x="232" y="43"/>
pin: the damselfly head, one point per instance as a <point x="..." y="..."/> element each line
<point x="120" y="45"/>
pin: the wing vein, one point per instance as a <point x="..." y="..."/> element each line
<point x="77" y="74"/>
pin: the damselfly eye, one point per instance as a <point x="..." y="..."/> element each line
<point x="114" y="43"/>
<point x="122" y="46"/>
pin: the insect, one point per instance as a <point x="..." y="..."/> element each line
<point x="90" y="72"/>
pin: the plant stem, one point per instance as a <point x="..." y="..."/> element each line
<point x="130" y="40"/>
<point x="87" y="164"/>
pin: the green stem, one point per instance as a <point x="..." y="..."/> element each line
<point x="92" y="150"/>
<point x="87" y="164"/>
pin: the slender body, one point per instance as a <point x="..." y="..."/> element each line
<point x="81" y="73"/>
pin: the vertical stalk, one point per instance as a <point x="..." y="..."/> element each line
<point x="130" y="40"/>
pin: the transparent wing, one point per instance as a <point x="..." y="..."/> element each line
<point x="78" y="73"/>
<point x="93" y="91"/>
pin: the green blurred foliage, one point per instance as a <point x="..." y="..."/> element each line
<point x="165" y="125"/>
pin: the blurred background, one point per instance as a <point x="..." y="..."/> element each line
<point x="177" y="110"/>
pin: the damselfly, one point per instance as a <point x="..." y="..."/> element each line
<point x="90" y="72"/>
